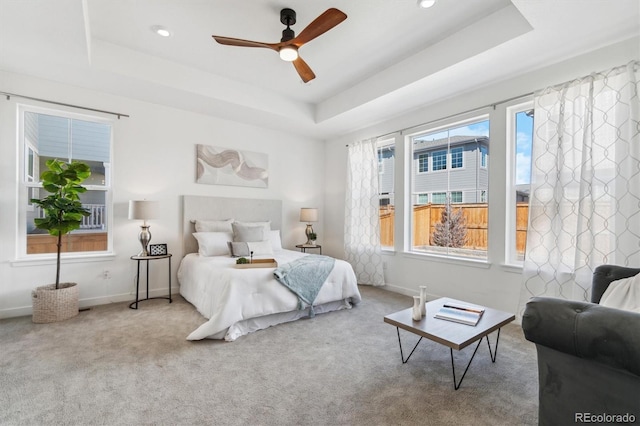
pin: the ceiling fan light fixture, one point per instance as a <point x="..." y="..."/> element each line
<point x="425" y="4"/>
<point x="288" y="53"/>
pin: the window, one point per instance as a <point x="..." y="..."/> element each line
<point x="520" y="133"/>
<point x="440" y="227"/>
<point x="423" y="163"/>
<point x="456" y="158"/>
<point x="439" y="197"/>
<point x="386" y="164"/>
<point x="456" y="196"/>
<point x="439" y="160"/>
<point x="423" y="199"/>
<point x="483" y="156"/>
<point x="48" y="134"/>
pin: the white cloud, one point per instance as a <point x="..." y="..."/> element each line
<point x="523" y="168"/>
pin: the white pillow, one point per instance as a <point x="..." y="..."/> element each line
<point x="214" y="225"/>
<point x="213" y="243"/>
<point x="260" y="248"/>
<point x="274" y="237"/>
<point x="247" y="233"/>
<point x="623" y="294"/>
<point x="265" y="224"/>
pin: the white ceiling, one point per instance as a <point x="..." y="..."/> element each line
<point x="387" y="58"/>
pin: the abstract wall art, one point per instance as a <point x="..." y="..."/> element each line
<point x="225" y="166"/>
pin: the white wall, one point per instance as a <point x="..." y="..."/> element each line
<point x="494" y="284"/>
<point x="154" y="158"/>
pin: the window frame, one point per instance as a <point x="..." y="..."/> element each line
<point x="423" y="156"/>
<point x="484" y="157"/>
<point x="511" y="255"/>
<point x="451" y="197"/>
<point x="24" y="187"/>
<point x="450" y="123"/>
<point x="457" y="149"/>
<point x="422" y="194"/>
<point x="390" y="196"/>
<point x="442" y="165"/>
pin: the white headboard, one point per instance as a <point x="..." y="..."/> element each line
<point x="223" y="208"/>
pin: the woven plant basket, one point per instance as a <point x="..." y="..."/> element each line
<point x="51" y="305"/>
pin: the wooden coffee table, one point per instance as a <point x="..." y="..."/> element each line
<point x="451" y="334"/>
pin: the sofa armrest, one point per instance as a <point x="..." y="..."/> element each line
<point x="586" y="330"/>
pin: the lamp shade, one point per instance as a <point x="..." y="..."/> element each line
<point x="142" y="209"/>
<point x="308" y="215"/>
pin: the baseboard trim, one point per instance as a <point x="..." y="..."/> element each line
<point x="93" y="301"/>
<point x="409" y="291"/>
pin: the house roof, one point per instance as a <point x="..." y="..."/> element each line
<point x="420" y="145"/>
<point x="388" y="58"/>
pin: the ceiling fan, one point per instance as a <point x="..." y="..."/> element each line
<point x="289" y="44"/>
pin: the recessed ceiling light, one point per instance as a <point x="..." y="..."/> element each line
<point x="161" y="31"/>
<point x="425" y="4"/>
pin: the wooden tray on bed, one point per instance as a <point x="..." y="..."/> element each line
<point x="258" y="263"/>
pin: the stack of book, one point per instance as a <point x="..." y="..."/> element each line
<point x="458" y="312"/>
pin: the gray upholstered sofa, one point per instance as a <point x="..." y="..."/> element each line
<point x="588" y="356"/>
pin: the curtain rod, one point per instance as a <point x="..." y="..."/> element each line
<point x="9" y="95"/>
<point x="492" y="105"/>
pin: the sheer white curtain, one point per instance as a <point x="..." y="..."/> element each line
<point x="362" y="221"/>
<point x="584" y="207"/>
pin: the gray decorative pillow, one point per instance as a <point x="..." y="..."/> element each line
<point x="260" y="248"/>
<point x="243" y="233"/>
<point x="239" y="249"/>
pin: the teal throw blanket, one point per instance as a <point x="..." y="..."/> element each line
<point x="305" y="276"/>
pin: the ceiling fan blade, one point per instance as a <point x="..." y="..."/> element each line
<point x="303" y="70"/>
<point x="323" y="23"/>
<point x="243" y="43"/>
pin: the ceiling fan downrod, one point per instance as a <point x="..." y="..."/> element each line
<point x="288" y="18"/>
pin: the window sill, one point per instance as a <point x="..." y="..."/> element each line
<point x="514" y="268"/>
<point x="49" y="259"/>
<point x="484" y="264"/>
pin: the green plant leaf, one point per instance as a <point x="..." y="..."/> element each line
<point x="62" y="208"/>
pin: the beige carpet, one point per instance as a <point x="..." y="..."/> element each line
<point x="115" y="366"/>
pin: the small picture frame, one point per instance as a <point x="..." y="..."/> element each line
<point x="157" y="249"/>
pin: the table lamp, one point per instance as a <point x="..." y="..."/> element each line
<point x="308" y="215"/>
<point x="143" y="210"/>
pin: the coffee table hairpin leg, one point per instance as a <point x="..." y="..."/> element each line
<point x="456" y="385"/>
<point x="404" y="361"/>
<point x="492" y="354"/>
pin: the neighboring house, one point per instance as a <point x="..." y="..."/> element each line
<point x="457" y="166"/>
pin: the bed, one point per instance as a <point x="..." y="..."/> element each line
<point x="237" y="301"/>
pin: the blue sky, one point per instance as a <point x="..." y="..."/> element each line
<point x="524" y="134"/>
<point x="476" y="129"/>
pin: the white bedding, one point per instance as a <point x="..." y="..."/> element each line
<point x="238" y="301"/>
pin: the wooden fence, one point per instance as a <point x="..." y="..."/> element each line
<point x="45" y="243"/>
<point x="425" y="217"/>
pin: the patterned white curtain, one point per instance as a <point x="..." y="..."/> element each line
<point x="362" y="222"/>
<point x="584" y="207"/>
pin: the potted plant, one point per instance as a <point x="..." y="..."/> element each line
<point x="312" y="237"/>
<point x="63" y="213"/>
